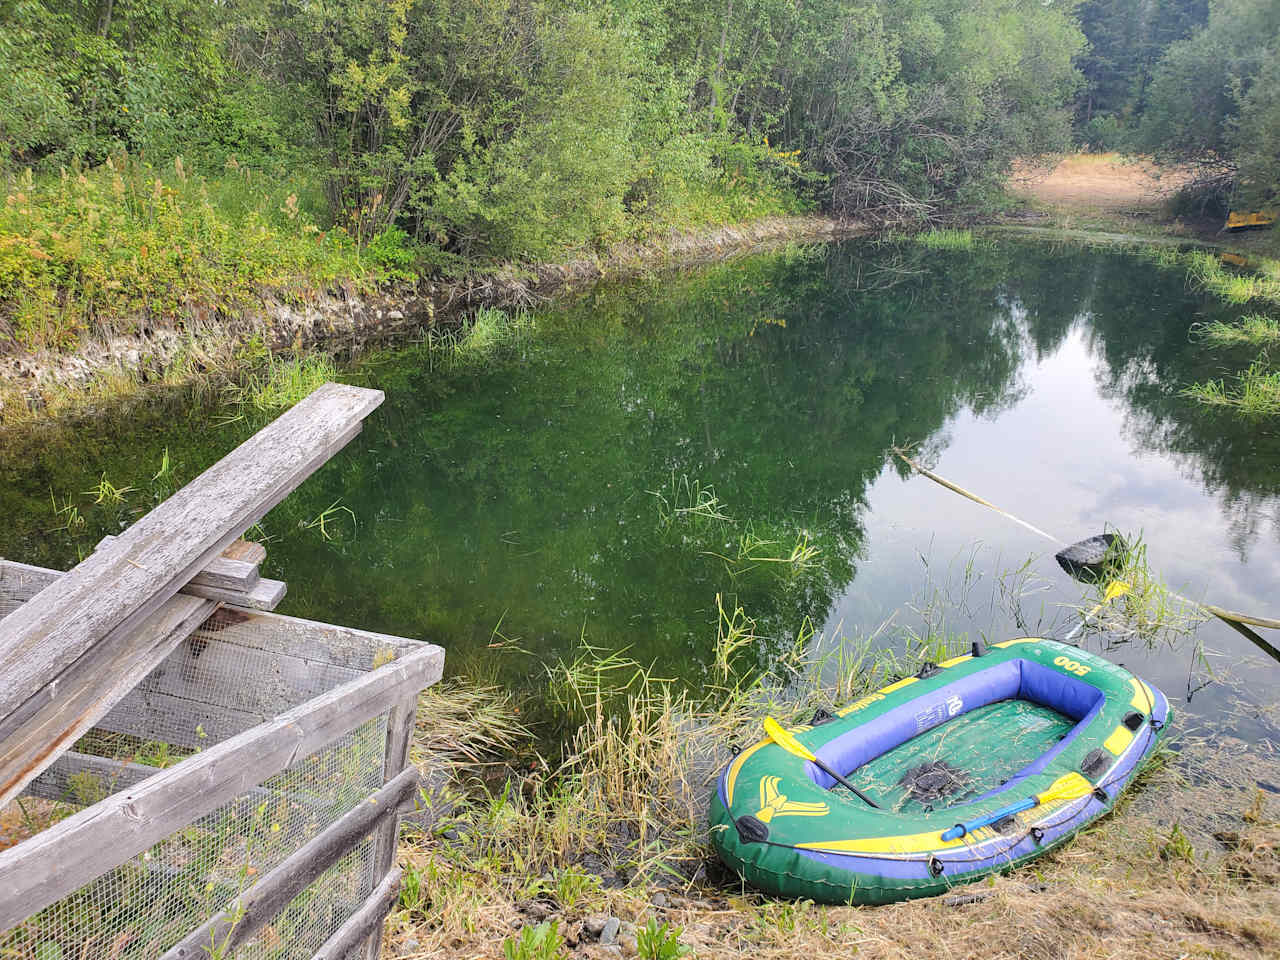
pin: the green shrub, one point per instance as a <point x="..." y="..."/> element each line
<point x="542" y="942"/>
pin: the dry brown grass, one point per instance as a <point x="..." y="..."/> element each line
<point x="1186" y="867"/>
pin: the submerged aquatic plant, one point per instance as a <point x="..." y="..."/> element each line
<point x="685" y="500"/>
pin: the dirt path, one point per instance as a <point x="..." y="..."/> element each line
<point x="1099" y="184"/>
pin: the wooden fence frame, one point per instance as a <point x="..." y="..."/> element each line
<point x="55" y="863"/>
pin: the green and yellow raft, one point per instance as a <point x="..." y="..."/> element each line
<point x="976" y="765"/>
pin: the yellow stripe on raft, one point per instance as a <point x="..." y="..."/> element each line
<point x="906" y="843"/>
<point x="1010" y="643"/>
<point x="1144" y="698"/>
<point x="736" y="767"/>
<point x="898" y="685"/>
<point x="1119" y="740"/>
<point x="954" y="660"/>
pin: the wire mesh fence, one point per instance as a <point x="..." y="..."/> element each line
<point x="232" y="674"/>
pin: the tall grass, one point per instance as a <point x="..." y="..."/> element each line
<point x="946" y="239"/>
<point x="281" y="382"/>
<point x="1253" y="330"/>
<point x="1254" y="393"/>
<point x="1261" y="283"/>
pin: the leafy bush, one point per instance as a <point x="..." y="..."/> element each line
<point x="87" y="248"/>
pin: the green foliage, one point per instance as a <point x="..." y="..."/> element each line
<point x="657" y="941"/>
<point x="1213" y="101"/>
<point x="1126" y="38"/>
<point x="542" y="942"/>
<point x="128" y="240"/>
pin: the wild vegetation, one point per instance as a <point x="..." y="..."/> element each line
<point x="1193" y="83"/>
<point x="166" y="159"/>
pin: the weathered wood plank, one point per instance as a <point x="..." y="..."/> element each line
<point x="60" y="780"/>
<point x="400" y="726"/>
<point x="246" y="551"/>
<point x="365" y="924"/>
<point x="114" y="589"/>
<point x="79" y="626"/>
<point x="232" y="927"/>
<point x="263" y="595"/>
<point x="200" y="696"/>
<point x="51" y="725"/>
<point x="221" y="573"/>
<point x="55" y="862"/>
<point x="311" y="640"/>
<point x="107" y="776"/>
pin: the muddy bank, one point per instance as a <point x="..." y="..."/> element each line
<point x="345" y="321"/>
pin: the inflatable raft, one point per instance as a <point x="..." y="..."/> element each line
<point x="975" y="765"/>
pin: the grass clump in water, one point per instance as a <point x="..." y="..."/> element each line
<point x="1261" y="283"/>
<point x="1131" y="603"/>
<point x="282" y="382"/>
<point x="946" y="239"/>
<point x="1255" y="393"/>
<point x="1254" y="330"/>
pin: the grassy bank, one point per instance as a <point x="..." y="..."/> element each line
<point x="534" y="862"/>
<point x="130" y="275"/>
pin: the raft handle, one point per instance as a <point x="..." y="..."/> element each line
<point x="979" y="649"/>
<point x="1133" y="720"/>
<point x="928" y="670"/>
<point x="935" y="867"/>
<point x="821" y="716"/>
<point x="1037" y="835"/>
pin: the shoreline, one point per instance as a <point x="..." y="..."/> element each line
<point x="45" y="385"/>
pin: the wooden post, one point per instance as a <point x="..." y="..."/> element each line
<point x="78" y="631"/>
<point x="400" y="726"/>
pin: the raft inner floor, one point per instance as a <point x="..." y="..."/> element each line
<point x="961" y="759"/>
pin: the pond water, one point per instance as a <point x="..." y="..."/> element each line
<point x="603" y="474"/>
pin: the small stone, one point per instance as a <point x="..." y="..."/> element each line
<point x="659" y="900"/>
<point x="594" y="924"/>
<point x="609" y="932"/>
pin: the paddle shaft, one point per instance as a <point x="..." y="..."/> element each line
<point x="831" y="773"/>
<point x="960" y="829"/>
<point x="779" y="735"/>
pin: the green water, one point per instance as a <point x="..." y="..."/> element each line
<point x="954" y="762"/>
<point x="516" y="506"/>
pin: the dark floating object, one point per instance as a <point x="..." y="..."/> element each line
<point x="1087" y="560"/>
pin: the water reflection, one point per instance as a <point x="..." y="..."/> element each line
<point x="654" y="446"/>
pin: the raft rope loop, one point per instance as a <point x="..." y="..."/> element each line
<point x="1237" y="621"/>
